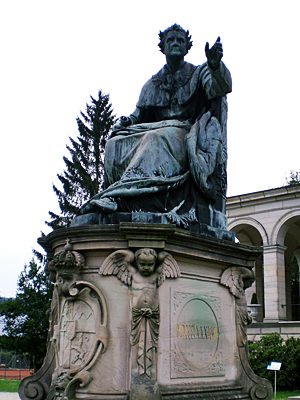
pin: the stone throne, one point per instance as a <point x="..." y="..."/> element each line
<point x="149" y="296"/>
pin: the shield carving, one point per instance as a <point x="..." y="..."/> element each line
<point x="78" y="323"/>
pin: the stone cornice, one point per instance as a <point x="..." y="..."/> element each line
<point x="263" y="197"/>
<point x="178" y="241"/>
<point x="274" y="248"/>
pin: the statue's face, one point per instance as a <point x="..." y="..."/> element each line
<point x="146" y="264"/>
<point x="175" y="44"/>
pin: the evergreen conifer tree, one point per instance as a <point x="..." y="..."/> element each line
<point x="83" y="176"/>
<point x="293" y="179"/>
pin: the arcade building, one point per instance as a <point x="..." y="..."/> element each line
<point x="270" y="219"/>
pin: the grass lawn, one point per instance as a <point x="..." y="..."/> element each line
<point x="7" y="385"/>
<point x="285" y="395"/>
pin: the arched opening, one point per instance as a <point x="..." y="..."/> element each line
<point x="287" y="233"/>
<point x="249" y="235"/>
<point x="295" y="286"/>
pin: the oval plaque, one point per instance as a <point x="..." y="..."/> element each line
<point x="197" y="333"/>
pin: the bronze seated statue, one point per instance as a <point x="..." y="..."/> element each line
<point x="169" y="156"/>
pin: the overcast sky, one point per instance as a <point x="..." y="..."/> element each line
<point x="55" y="54"/>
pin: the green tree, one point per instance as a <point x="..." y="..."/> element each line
<point x="83" y="174"/>
<point x="262" y="352"/>
<point x="291" y="363"/>
<point x="26" y="316"/>
<point x="293" y="179"/>
<point x="273" y="348"/>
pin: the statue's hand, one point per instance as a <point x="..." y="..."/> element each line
<point x="122" y="122"/>
<point x="214" y="54"/>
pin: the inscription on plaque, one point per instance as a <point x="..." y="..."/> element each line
<point x="196" y="337"/>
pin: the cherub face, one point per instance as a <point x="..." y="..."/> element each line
<point x="146" y="264"/>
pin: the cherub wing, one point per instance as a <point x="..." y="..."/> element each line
<point x="119" y="263"/>
<point x="233" y="278"/>
<point x="168" y="267"/>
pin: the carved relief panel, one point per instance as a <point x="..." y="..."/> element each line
<point x="79" y="333"/>
<point x="196" y="343"/>
<point x="143" y="271"/>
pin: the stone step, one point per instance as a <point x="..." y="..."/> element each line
<point x="9" y="396"/>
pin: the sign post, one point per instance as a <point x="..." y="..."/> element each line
<point x="274" y="366"/>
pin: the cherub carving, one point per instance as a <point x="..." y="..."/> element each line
<point x="237" y="279"/>
<point x="143" y="271"/>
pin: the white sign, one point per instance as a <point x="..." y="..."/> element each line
<point x="274" y="366"/>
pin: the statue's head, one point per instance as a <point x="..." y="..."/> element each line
<point x="145" y="260"/>
<point x="178" y="30"/>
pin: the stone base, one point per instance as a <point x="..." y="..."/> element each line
<point x="194" y="228"/>
<point x="219" y="393"/>
<point x="177" y="332"/>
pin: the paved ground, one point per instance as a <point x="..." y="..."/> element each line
<point x="9" y="396"/>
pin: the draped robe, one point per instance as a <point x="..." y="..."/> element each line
<point x="169" y="159"/>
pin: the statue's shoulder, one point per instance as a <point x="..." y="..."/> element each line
<point x="158" y="78"/>
<point x="148" y="96"/>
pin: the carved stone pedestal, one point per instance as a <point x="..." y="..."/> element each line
<point x="145" y="311"/>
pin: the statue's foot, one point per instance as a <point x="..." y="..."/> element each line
<point x="106" y="204"/>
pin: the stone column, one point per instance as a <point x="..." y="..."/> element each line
<point x="274" y="280"/>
